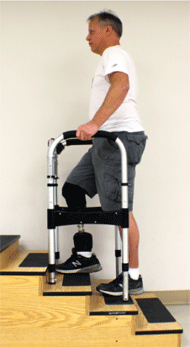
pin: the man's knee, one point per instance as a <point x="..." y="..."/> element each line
<point x="74" y="196"/>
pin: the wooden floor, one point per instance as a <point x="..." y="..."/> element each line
<point x="35" y="313"/>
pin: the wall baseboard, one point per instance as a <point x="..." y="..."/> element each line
<point x="173" y="297"/>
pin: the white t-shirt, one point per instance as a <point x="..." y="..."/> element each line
<point x="126" y="117"/>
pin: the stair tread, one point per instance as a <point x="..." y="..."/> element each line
<point x="155" y="311"/>
<point x="98" y="306"/>
<point x="150" y="321"/>
<point x="164" y="328"/>
<point x="14" y="268"/>
<point x="59" y="289"/>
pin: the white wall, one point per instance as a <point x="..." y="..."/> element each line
<point x="47" y="69"/>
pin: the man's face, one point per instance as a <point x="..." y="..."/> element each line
<point x="96" y="37"/>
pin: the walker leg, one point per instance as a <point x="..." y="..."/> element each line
<point x="57" y="253"/>
<point x="52" y="202"/>
<point x="124" y="205"/>
<point x="125" y="265"/>
<point x="57" y="256"/>
<point x="117" y="251"/>
<point x="51" y="267"/>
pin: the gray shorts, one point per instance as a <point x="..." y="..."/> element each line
<point x="99" y="170"/>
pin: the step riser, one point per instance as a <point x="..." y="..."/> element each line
<point x="80" y="337"/>
<point x="8" y="255"/>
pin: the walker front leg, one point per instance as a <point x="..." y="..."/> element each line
<point x="52" y="201"/>
<point x="51" y="266"/>
<point x="125" y="265"/>
<point x="117" y="250"/>
<point x="57" y="253"/>
<point x="125" y="222"/>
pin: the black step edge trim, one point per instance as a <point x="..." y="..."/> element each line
<point x="114" y="313"/>
<point x="67" y="294"/>
<point x="160" y="332"/>
<point x="17" y="273"/>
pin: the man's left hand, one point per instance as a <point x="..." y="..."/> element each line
<point x="86" y="131"/>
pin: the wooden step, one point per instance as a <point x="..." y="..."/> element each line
<point x="72" y="313"/>
<point x="27" y="263"/>
<point x="9" y="249"/>
<point x="68" y="285"/>
<point x="98" y="306"/>
<point x="153" y="317"/>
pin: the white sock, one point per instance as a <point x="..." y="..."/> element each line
<point x="85" y="254"/>
<point x="134" y="273"/>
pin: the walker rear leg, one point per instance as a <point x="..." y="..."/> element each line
<point x="51" y="266"/>
<point x="117" y="251"/>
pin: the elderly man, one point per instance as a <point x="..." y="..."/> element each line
<point x="113" y="108"/>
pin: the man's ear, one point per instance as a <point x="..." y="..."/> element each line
<point x="109" y="29"/>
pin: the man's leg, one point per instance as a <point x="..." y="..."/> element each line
<point x="82" y="260"/>
<point x="135" y="281"/>
<point x="133" y="238"/>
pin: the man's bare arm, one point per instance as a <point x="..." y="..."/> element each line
<point x="116" y="94"/>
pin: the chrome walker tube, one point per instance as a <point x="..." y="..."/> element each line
<point x="53" y="235"/>
<point x="124" y="206"/>
<point x="52" y="202"/>
<point x="117" y="251"/>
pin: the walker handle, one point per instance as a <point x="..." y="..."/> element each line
<point x="72" y="134"/>
<point x="106" y="135"/>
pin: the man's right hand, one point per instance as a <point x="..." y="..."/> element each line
<point x="86" y="131"/>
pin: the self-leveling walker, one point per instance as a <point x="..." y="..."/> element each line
<point x="60" y="216"/>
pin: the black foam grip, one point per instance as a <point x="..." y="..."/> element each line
<point x="72" y="142"/>
<point x="72" y="134"/>
<point x="60" y="148"/>
<point x="106" y="134"/>
<point x="69" y="134"/>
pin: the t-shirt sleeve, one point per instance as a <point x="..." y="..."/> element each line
<point x="115" y="60"/>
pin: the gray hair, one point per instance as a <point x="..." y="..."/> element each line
<point x="108" y="18"/>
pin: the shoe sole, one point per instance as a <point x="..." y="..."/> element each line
<point x="136" y="291"/>
<point x="89" y="269"/>
<point x="131" y="292"/>
<point x="110" y="293"/>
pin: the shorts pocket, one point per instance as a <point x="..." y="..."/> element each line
<point x="135" y="147"/>
<point x="107" y="151"/>
<point x="112" y="184"/>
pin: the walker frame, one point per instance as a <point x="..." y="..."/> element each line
<point x="59" y="216"/>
